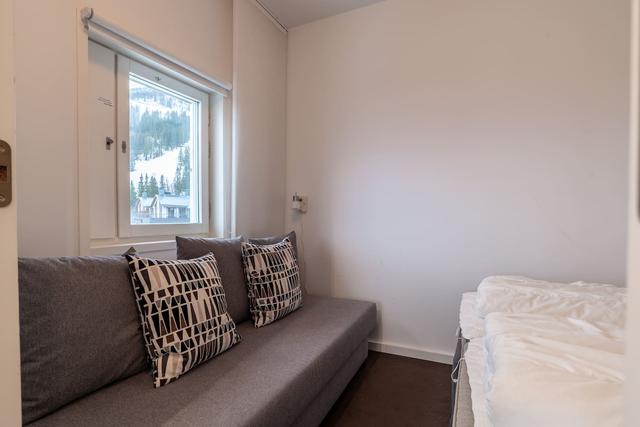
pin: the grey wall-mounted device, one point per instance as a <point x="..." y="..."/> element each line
<point x="5" y="174"/>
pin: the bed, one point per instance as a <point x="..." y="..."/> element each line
<point x="535" y="353"/>
<point x="461" y="411"/>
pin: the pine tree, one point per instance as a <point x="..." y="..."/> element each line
<point x="132" y="193"/>
<point x="152" y="188"/>
<point x="186" y="171"/>
<point x="140" y="186"/>
<point x="163" y="183"/>
<point x="185" y="129"/>
<point x="146" y="184"/>
<point x="178" y="185"/>
<point x="153" y="133"/>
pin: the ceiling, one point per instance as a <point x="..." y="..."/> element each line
<point x="292" y="13"/>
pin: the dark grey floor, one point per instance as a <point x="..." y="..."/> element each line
<point x="393" y="390"/>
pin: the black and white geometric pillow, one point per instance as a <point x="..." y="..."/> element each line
<point x="273" y="280"/>
<point x="183" y="310"/>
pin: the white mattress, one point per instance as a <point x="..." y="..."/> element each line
<point x="475" y="359"/>
<point x="472" y="328"/>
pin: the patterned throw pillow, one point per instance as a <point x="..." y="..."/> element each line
<point x="183" y="311"/>
<point x="273" y="279"/>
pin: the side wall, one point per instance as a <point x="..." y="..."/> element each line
<point x="442" y="142"/>
<point x="260" y="85"/>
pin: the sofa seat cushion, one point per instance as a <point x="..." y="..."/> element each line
<point x="267" y="380"/>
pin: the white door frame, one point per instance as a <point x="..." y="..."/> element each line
<point x="632" y="334"/>
<point x="10" y="403"/>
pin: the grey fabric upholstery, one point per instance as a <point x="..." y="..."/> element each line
<point x="462" y="415"/>
<point x="229" y="257"/>
<point x="455" y="371"/>
<point x="320" y="406"/>
<point x="272" y="240"/>
<point x="79" y="329"/>
<point x="270" y="379"/>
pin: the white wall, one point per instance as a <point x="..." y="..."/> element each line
<point x="197" y="32"/>
<point x="260" y="70"/>
<point x="46" y="127"/>
<point x="440" y="142"/>
<point x="46" y="85"/>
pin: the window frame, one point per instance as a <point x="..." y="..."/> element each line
<point x="125" y="66"/>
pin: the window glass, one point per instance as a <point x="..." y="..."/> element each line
<point x="164" y="130"/>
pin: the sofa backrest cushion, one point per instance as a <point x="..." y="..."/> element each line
<point x="228" y="254"/>
<point x="79" y="329"/>
<point x="277" y="239"/>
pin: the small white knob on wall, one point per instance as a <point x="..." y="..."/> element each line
<point x="299" y="202"/>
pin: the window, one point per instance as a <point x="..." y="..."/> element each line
<point x="163" y="129"/>
<point x="158" y="156"/>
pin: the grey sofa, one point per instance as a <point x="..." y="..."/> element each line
<point x="84" y="362"/>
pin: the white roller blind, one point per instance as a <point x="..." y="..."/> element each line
<point x="120" y="41"/>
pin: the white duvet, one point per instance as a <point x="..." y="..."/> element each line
<point x="587" y="301"/>
<point x="471" y="325"/>
<point x="543" y="353"/>
<point x="546" y="370"/>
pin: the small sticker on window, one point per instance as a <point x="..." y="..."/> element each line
<point x="105" y="101"/>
